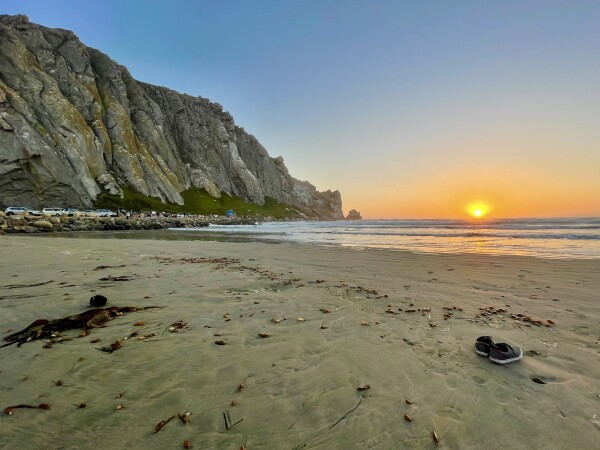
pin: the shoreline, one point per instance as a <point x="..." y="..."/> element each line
<point x="302" y="378"/>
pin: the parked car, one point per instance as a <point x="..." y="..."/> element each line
<point x="90" y="213"/>
<point x="14" y="210"/>
<point x="54" y="211"/>
<point x="106" y="213"/>
<point x="74" y="212"/>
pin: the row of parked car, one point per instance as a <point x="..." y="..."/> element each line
<point x="73" y="212"/>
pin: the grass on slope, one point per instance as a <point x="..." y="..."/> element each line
<point x="197" y="201"/>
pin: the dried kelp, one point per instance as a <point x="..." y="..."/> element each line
<point x="92" y="318"/>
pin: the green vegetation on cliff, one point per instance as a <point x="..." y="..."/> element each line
<point x="197" y="201"/>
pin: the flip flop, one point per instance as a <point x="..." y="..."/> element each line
<point x="503" y="353"/>
<point x="483" y="344"/>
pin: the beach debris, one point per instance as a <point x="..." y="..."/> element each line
<point x="264" y="335"/>
<point x="233" y="403"/>
<point x="10" y="409"/>
<point x="58" y="382"/>
<point x="436" y="437"/>
<point x="112" y="347"/>
<point x="227" y="418"/>
<point x="108" y="267"/>
<point x="117" y="278"/>
<point x="139" y="324"/>
<point x="490" y="310"/>
<point x="187" y="444"/>
<point x="538" y="380"/>
<point x="92" y="318"/>
<point x="300" y="319"/>
<point x="57" y="340"/>
<point x="365" y="387"/>
<point x="226" y="317"/>
<point x="119" y="407"/>
<point x="160" y="425"/>
<point x="408" y="418"/>
<point x="81" y="405"/>
<point x="458" y="308"/>
<point x="220" y="342"/>
<point x="178" y="327"/>
<point x="408" y="402"/>
<point x="120" y="395"/>
<point x="325" y="310"/>
<point x="348" y="413"/>
<point x="324" y="326"/>
<point x="98" y="301"/>
<point x="532" y="321"/>
<point x="185" y="417"/>
<point x="364" y="322"/>
<point x="432" y="324"/>
<point x="95" y="341"/>
<point x="147" y="336"/>
<point x="241" y="386"/>
<point x="228" y="423"/>
<point x="16" y="286"/>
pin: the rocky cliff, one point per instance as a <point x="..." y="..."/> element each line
<point x="74" y="124"/>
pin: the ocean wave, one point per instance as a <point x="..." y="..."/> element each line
<point x="466" y="234"/>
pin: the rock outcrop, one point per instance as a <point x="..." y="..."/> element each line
<point x="353" y="215"/>
<point x="74" y="124"/>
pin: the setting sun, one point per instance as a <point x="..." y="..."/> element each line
<point x="477" y="210"/>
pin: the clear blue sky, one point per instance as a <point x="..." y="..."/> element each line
<point x="410" y="108"/>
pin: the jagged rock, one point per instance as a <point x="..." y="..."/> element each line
<point x="353" y="215"/>
<point x="74" y="123"/>
<point x="108" y="183"/>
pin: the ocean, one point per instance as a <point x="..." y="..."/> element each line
<point x="544" y="238"/>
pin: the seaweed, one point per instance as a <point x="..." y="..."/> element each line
<point x="92" y="318"/>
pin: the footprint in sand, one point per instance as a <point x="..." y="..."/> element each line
<point x="480" y="381"/>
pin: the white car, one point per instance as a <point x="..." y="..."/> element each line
<point x="106" y="213"/>
<point x="16" y="210"/>
<point x="90" y="213"/>
<point x="53" y="211"/>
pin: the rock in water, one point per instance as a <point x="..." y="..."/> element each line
<point x="98" y="301"/>
<point x="353" y="215"/>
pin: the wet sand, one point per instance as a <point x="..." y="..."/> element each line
<point x="302" y="379"/>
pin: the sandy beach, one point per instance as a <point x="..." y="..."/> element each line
<point x="299" y="383"/>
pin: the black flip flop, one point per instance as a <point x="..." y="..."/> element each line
<point x="503" y="353"/>
<point x="483" y="344"/>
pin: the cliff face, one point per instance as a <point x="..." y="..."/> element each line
<point x="74" y="123"/>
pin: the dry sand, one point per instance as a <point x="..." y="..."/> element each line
<point x="303" y="378"/>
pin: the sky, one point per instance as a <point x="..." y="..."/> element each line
<point x="411" y="109"/>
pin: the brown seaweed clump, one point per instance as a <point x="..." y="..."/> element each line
<point x="92" y="318"/>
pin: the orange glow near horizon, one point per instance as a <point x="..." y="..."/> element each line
<point x="499" y="191"/>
